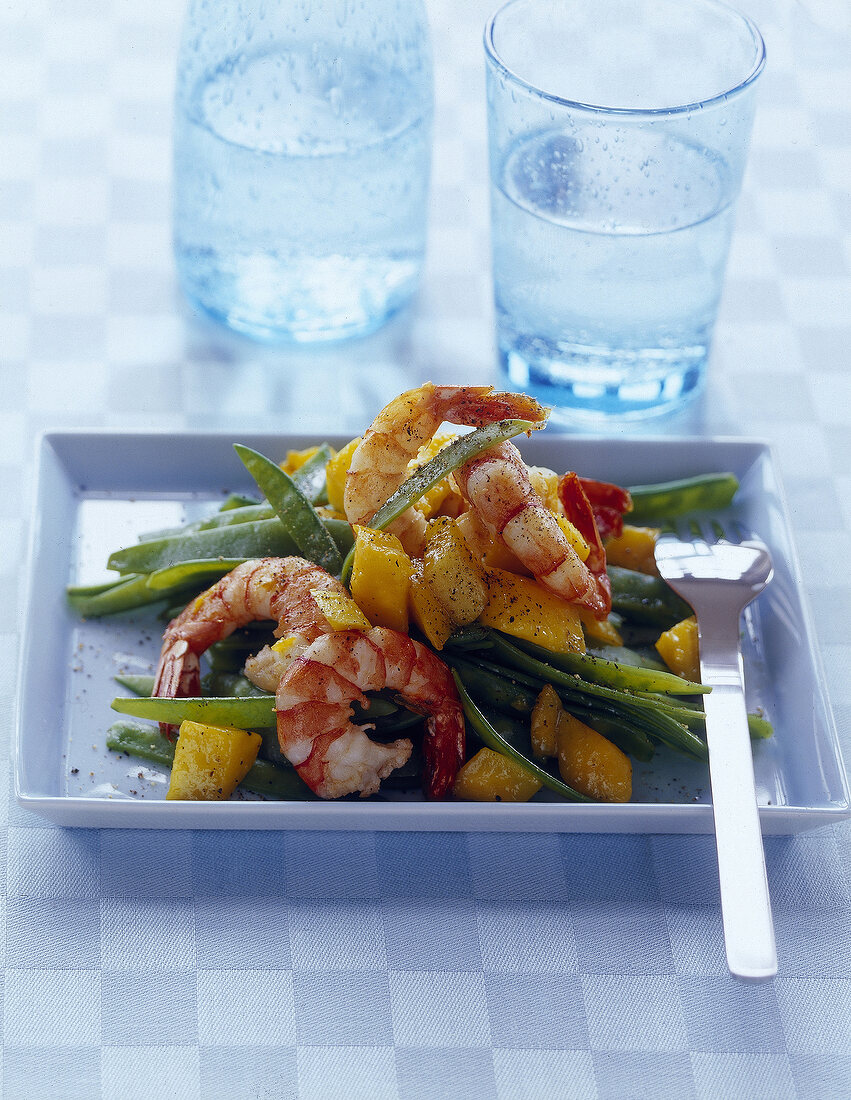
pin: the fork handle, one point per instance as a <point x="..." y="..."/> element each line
<point x="745" y="904"/>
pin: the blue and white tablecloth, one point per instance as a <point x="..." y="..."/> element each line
<point x="316" y="965"/>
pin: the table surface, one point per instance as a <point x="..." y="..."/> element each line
<point x="401" y="965"/>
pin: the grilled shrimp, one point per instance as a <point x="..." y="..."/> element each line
<point x="496" y="484"/>
<point x="379" y="463"/>
<point x="318" y="676"/>
<point x="262" y="588"/>
<point x="313" y="702"/>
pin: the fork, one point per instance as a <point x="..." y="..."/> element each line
<point x="719" y="578"/>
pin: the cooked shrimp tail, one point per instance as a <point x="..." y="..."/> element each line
<point x="314" y="710"/>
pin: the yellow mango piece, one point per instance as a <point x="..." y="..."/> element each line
<point x="341" y="611"/>
<point x="571" y="533"/>
<point x="525" y="609"/>
<point x="210" y="761"/>
<point x="427" y="611"/>
<point x="678" y="648"/>
<point x="335" y="474"/>
<point x="453" y="574"/>
<point x="545" y="716"/>
<point x="545" y="484"/>
<point x="590" y="763"/>
<point x="635" y="549"/>
<point x="381" y="578"/>
<point x="598" y="630"/>
<point x="296" y="459"/>
<point x="491" y="777"/>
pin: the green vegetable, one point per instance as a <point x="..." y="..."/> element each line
<point x="645" y="599"/>
<point x="668" y="500"/>
<point x="263" y="538"/>
<point x="141" y="686"/>
<point x="147" y="743"/>
<point x="294" y="510"/>
<point x="244" y="713"/>
<point x="125" y="594"/>
<point x="626" y="677"/>
<point x="655" y="718"/>
<point x="515" y="693"/>
<point x="494" y="740"/>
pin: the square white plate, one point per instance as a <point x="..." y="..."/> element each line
<point x="97" y="491"/>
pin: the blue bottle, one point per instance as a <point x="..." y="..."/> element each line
<point x="302" y="148"/>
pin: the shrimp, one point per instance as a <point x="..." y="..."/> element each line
<point x="262" y="588"/>
<point x="318" y="676"/>
<point x="379" y="463"/>
<point x="313" y="702"/>
<point x="496" y="483"/>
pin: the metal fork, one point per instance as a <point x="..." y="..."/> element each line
<point x="719" y="578"/>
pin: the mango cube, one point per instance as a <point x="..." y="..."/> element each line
<point x="635" y="549"/>
<point x="427" y="611"/>
<point x="381" y="578"/>
<point x="335" y="475"/>
<point x="211" y="761"/>
<point x="678" y="648"/>
<point x="590" y="763"/>
<point x="341" y="612"/>
<point x="453" y="574"/>
<point x="525" y="609"/>
<point x="491" y="777"/>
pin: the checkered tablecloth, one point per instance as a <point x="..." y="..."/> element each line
<point x="181" y="964"/>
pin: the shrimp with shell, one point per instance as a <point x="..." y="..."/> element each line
<point x="380" y="462"/>
<point x="318" y="676"/>
<point x="495" y="484"/>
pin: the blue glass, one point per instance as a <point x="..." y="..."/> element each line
<point x="302" y="146"/>
<point x="618" y="140"/>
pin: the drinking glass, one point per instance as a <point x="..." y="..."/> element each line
<point x="618" y="135"/>
<point x="302" y="147"/>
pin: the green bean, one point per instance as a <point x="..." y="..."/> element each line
<point x="516" y="693"/>
<point x="128" y="593"/>
<point x="668" y="500"/>
<point x="197" y="571"/>
<point x="263" y="538"/>
<point x="246" y="713"/>
<point x="264" y="778"/>
<point x="294" y="510"/>
<point x="236" y="500"/>
<point x="645" y="599"/>
<point x="646" y="713"/>
<point x="238" y="508"/>
<point x="622" y="675"/>
<point x="494" y="740"/>
<point x="640" y="657"/>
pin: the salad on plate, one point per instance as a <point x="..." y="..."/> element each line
<point x="419" y="609"/>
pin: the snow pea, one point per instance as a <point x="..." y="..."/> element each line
<point x="670" y="499"/>
<point x="617" y="674"/>
<point x="294" y="510"/>
<point x="246" y="713"/>
<point x="645" y="599"/>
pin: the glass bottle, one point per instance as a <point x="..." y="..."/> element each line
<point x="302" y="148"/>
